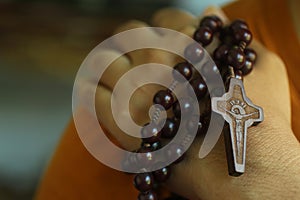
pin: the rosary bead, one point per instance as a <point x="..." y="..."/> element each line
<point x="219" y="22"/>
<point x="236" y="58"/>
<point x="130" y="162"/>
<point x="155" y="146"/>
<point x="205" y="109"/>
<point x="150" y="195"/>
<point x="145" y="157"/>
<point x="150" y="133"/>
<point x="162" y="174"/>
<point x="242" y="35"/>
<point x="199" y="87"/>
<point x="164" y="98"/>
<point x="209" y="70"/>
<point x="239" y="74"/>
<point x="176" y="110"/>
<point x="195" y="122"/>
<point x="143" y="182"/>
<point x="170" y="128"/>
<point x="203" y="35"/>
<point x="250" y="55"/>
<point x="185" y="69"/>
<point x="247" y="68"/>
<point x="221" y="52"/>
<point x="152" y="146"/>
<point x="175" y="151"/>
<point x="194" y="53"/>
<point x="226" y="36"/>
<point x="187" y="107"/>
<point x="212" y="22"/>
<point x="238" y="24"/>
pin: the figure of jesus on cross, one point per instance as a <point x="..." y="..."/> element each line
<point x="240" y="113"/>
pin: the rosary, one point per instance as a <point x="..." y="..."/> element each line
<point x="234" y="59"/>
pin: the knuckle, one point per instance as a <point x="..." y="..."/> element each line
<point x="173" y="18"/>
<point x="188" y="30"/>
<point x="275" y="64"/>
<point x="131" y="24"/>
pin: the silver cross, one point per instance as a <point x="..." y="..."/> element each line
<point x="240" y="113"/>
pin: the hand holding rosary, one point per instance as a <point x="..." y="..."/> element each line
<point x="234" y="60"/>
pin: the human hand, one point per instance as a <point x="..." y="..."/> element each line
<point x="273" y="152"/>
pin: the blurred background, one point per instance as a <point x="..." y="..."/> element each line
<point x="42" y="44"/>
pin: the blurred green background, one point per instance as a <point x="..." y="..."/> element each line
<point x="42" y="44"/>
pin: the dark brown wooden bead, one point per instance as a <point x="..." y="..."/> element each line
<point x="226" y="36"/>
<point x="130" y="162"/>
<point x="143" y="182"/>
<point x="194" y="53"/>
<point x="145" y="157"/>
<point x="238" y="24"/>
<point x="247" y="68"/>
<point x="196" y="123"/>
<point x="162" y="174"/>
<point x="203" y="35"/>
<point x="170" y="128"/>
<point x="185" y="69"/>
<point x="212" y="22"/>
<point x="199" y="87"/>
<point x="250" y="55"/>
<point x="184" y="106"/>
<point x="205" y="108"/>
<point x="150" y="133"/>
<point x="176" y="110"/>
<point x="220" y="53"/>
<point x="164" y="98"/>
<point x="239" y="74"/>
<point x="152" y="146"/>
<point x="209" y="70"/>
<point x="219" y="22"/>
<point x="236" y="58"/>
<point x="175" y="151"/>
<point x="242" y="35"/>
<point x="150" y="195"/>
<point x="155" y="146"/>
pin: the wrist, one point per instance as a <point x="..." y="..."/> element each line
<point x="272" y="169"/>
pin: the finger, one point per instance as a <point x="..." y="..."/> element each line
<point x="142" y="40"/>
<point x="115" y="71"/>
<point x="105" y="117"/>
<point x="139" y="106"/>
<point x="132" y="24"/>
<point x="182" y="21"/>
<point x="133" y="41"/>
<point x="194" y="172"/>
<point x="268" y="83"/>
<point x="190" y="28"/>
<point x="177" y="20"/>
<point x="124" y="63"/>
<point x="214" y="10"/>
<point x="173" y="19"/>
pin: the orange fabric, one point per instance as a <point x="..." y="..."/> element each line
<point x="74" y="174"/>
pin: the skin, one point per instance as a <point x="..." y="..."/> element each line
<point x="273" y="152"/>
